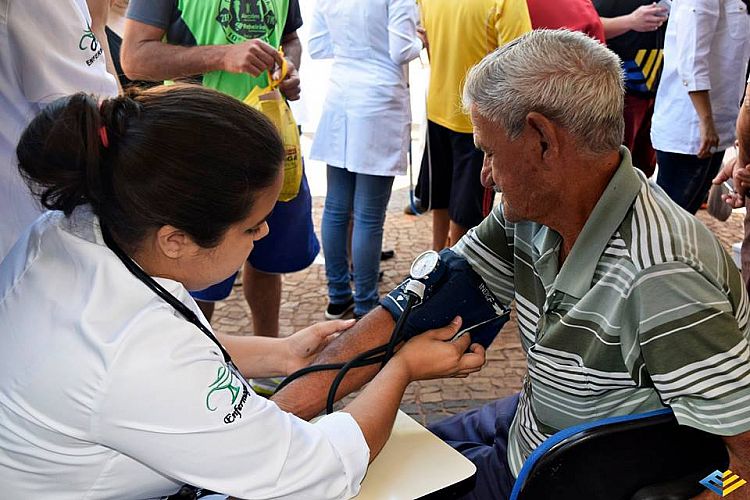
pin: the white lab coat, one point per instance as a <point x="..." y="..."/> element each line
<point x="365" y="124"/>
<point x="707" y="46"/>
<point x="106" y="392"/>
<point x="47" y="52"/>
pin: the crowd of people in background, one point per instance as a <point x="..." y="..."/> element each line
<point x="684" y="73"/>
<point x="685" y="66"/>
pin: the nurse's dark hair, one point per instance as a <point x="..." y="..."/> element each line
<point x="183" y="155"/>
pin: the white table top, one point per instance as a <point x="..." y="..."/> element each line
<point x="413" y="463"/>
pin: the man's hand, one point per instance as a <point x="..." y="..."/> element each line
<point x="253" y="57"/>
<point x="709" y="138"/>
<point x="305" y="344"/>
<point x="290" y="85"/>
<point x="740" y="176"/>
<point x="647" y="17"/>
<point x="422" y="34"/>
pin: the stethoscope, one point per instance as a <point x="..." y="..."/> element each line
<point x="425" y="269"/>
<point x="167" y="297"/>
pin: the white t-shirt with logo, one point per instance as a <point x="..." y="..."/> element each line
<point x="106" y="392"/>
<point x="47" y="51"/>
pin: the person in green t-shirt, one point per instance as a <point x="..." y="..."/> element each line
<point x="231" y="46"/>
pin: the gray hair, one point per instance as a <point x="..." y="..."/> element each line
<point x="566" y="76"/>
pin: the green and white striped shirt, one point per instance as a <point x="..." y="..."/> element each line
<point x="647" y="310"/>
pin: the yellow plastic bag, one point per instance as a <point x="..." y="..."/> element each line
<point x="269" y="101"/>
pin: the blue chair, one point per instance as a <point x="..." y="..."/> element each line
<point x="635" y="457"/>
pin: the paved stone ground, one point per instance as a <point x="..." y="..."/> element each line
<point x="304" y="300"/>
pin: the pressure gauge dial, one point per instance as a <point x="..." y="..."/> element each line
<point x="424" y="265"/>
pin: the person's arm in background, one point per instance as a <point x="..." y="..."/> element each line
<point x="404" y="44"/>
<point x="145" y="56"/>
<point x="701" y="100"/>
<point x="421" y="32"/>
<point x="739" y="169"/>
<point x="292" y="47"/>
<point x="511" y="21"/>
<point x="742" y="172"/>
<point x="99" y="12"/>
<point x="696" y="24"/>
<point x="644" y="18"/>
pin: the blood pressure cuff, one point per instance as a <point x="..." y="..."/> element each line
<point x="459" y="291"/>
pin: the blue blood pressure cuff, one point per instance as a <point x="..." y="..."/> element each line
<point x="455" y="289"/>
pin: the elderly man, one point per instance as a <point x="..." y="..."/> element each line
<point x="625" y="302"/>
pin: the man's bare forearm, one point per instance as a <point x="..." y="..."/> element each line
<point x="702" y="103"/>
<point x="292" y="48"/>
<point x="743" y="130"/>
<point x="99" y="11"/>
<point x="306" y="396"/>
<point x="155" y="60"/>
<point x="615" y="26"/>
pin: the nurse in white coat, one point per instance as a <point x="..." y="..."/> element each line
<point x="112" y="384"/>
<point x="363" y="134"/>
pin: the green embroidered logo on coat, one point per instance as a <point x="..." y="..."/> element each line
<point x="224" y="381"/>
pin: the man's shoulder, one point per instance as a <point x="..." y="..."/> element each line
<point x="158" y="13"/>
<point x="658" y="231"/>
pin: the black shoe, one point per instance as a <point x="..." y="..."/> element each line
<point x="409" y="209"/>
<point x="387" y="255"/>
<point x="337" y="311"/>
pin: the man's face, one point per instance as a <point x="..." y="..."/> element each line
<point x="509" y="165"/>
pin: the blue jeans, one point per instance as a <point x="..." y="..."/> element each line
<point x="366" y="196"/>
<point x="687" y="178"/>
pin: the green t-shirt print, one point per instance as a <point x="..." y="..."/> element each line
<point x="221" y="22"/>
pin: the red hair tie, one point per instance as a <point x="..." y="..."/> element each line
<point x="103" y="136"/>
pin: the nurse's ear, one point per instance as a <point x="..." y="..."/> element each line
<point x="174" y="243"/>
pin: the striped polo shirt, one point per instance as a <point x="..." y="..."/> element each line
<point x="647" y="310"/>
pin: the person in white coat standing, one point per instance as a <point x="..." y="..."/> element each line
<point x="363" y="134"/>
<point x="49" y="49"/>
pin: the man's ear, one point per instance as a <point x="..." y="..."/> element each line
<point x="546" y="133"/>
<point x="174" y="243"/>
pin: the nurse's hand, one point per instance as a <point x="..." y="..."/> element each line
<point x="433" y="354"/>
<point x="302" y="346"/>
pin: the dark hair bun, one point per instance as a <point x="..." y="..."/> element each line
<point x="181" y="155"/>
<point x="59" y="152"/>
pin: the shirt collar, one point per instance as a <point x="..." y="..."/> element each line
<point x="617" y="199"/>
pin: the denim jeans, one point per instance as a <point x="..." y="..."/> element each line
<point x="366" y="197"/>
<point x="687" y="178"/>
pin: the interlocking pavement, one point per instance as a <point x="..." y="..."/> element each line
<point x="304" y="300"/>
